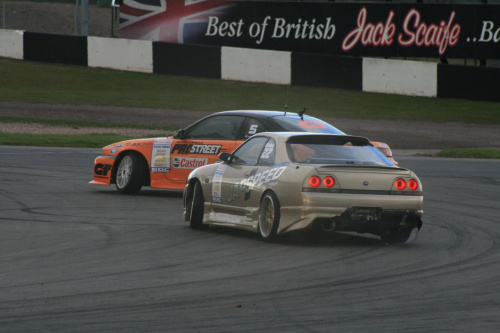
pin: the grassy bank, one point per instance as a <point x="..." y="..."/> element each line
<point x="22" y="81"/>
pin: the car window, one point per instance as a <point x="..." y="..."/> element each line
<point x="307" y="124"/>
<point x="250" y="127"/>
<point x="250" y="152"/>
<point x="335" y="151"/>
<point x="217" y="128"/>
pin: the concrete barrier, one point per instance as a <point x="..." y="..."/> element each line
<point x="121" y="54"/>
<point x="255" y="65"/>
<point x="11" y="44"/>
<point x="400" y="77"/>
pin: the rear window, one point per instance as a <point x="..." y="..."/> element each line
<point x="308" y="124"/>
<point x="327" y="150"/>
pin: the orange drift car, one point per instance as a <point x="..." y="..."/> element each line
<point x="166" y="162"/>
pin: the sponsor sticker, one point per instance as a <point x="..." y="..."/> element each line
<point x="196" y="149"/>
<point x="188" y="162"/>
<point x="267" y="178"/>
<point x="160" y="155"/>
<point x="217" y="183"/>
<point x="217" y="217"/>
<point x="102" y="170"/>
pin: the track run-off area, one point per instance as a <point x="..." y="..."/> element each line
<point x="81" y="258"/>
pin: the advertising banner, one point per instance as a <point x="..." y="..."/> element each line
<point x="354" y="29"/>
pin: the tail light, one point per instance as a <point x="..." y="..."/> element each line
<point x="317" y="181"/>
<point x="329" y="181"/>
<point x="314" y="181"/>
<point x="401" y="184"/>
<point x="412" y="184"/>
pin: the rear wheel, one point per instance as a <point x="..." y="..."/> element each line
<point x="396" y="236"/>
<point x="197" y="204"/>
<point x="269" y="217"/>
<point x="130" y="174"/>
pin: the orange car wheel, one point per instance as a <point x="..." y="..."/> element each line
<point x="130" y="174"/>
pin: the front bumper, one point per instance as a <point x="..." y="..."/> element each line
<point x="103" y="170"/>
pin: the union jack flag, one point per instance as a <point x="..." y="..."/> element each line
<point x="166" y="20"/>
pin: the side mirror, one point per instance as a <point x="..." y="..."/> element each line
<point x="226" y="157"/>
<point x="180" y="134"/>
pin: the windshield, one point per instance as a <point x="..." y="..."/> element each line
<point x="308" y="124"/>
<point x="335" y="151"/>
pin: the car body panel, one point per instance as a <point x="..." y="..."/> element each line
<point x="233" y="192"/>
<point x="171" y="159"/>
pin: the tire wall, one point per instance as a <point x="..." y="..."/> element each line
<point x="187" y="60"/>
<point x="276" y="67"/>
<point x="62" y="49"/>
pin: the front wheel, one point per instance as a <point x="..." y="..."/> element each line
<point x="269" y="217"/>
<point x="197" y="207"/>
<point x="130" y="174"/>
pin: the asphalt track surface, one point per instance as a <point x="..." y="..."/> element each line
<point x="81" y="258"/>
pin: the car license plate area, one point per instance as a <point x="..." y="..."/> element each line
<point x="366" y="213"/>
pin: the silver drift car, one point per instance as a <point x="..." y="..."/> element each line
<point x="274" y="183"/>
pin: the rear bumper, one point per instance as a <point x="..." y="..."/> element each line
<point x="353" y="212"/>
<point x="372" y="220"/>
<point x="378" y="220"/>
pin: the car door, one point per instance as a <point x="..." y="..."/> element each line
<point x="246" y="177"/>
<point x="200" y="145"/>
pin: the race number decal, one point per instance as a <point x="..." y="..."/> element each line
<point x="268" y="149"/>
<point x="253" y="129"/>
<point x="160" y="155"/>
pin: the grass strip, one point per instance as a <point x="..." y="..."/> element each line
<point x="82" y="123"/>
<point x="60" y="140"/>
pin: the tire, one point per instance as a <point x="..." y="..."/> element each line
<point x="130" y="174"/>
<point x="269" y="217"/>
<point x="197" y="207"/>
<point x="396" y="236"/>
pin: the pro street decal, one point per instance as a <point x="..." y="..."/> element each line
<point x="184" y="148"/>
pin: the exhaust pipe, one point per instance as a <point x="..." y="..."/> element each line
<point x="328" y="225"/>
